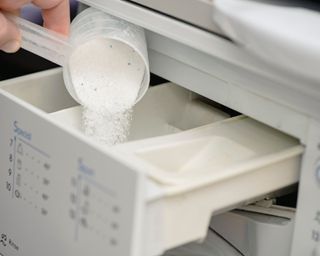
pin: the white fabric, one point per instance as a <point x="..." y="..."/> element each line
<point x="287" y="37"/>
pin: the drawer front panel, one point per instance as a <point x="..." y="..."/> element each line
<point x="58" y="193"/>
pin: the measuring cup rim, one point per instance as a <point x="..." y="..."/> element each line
<point x="144" y="83"/>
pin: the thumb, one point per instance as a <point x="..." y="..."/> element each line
<point x="9" y="35"/>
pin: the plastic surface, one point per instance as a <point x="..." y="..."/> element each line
<point x="214" y="152"/>
<point x="212" y="169"/>
<point x="165" y="109"/>
<point x="255" y="233"/>
<point x="43" y="42"/>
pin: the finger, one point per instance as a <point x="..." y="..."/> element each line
<point x="56" y="14"/>
<point x="12" y="5"/>
<point x="9" y="35"/>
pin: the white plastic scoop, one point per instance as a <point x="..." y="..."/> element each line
<point x="88" y="25"/>
<point x="43" y="42"/>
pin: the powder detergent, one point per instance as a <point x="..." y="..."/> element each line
<point x="106" y="75"/>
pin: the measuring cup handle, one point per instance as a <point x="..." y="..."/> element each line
<point x="43" y="42"/>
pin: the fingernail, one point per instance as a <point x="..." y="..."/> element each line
<point x="11" y="46"/>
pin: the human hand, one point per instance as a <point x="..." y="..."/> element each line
<point x="55" y="14"/>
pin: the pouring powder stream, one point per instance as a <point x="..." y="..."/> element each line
<point x="107" y="76"/>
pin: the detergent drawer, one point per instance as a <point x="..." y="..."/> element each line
<point x="58" y="191"/>
<point x="185" y="160"/>
<point x="212" y="169"/>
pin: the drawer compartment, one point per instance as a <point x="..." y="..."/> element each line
<point x="213" y="152"/>
<point x="212" y="169"/>
<point x="185" y="160"/>
<point x="165" y="109"/>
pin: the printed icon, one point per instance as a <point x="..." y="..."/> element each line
<point x="113" y="241"/>
<point x="72" y="214"/>
<point x="84" y="222"/>
<point x="116" y="209"/>
<point x="11" y="142"/>
<point x="46" y="166"/>
<point x="20" y="149"/>
<point x="45" y="196"/>
<point x="315" y="235"/>
<point x="9" y="171"/>
<point x="44" y="212"/>
<point x="17" y="193"/>
<point x="45" y="181"/>
<point x="4" y="239"/>
<point x="73" y="198"/>
<point x="114" y="225"/>
<point x="86" y="190"/>
<point x="19" y="164"/>
<point x="8" y="186"/>
<point x="10" y="157"/>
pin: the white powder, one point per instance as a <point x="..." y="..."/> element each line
<point x="106" y="75"/>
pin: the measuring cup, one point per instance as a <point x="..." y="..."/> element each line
<point x="88" y="25"/>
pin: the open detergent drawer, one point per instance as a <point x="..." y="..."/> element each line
<point x="211" y="169"/>
<point x="197" y="161"/>
<point x="165" y="109"/>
